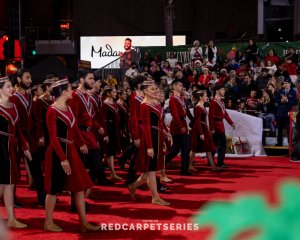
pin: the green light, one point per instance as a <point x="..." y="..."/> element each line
<point x="33" y="52"/>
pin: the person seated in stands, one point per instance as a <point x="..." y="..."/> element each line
<point x="263" y="79"/>
<point x="187" y="71"/>
<point x="179" y="75"/>
<point x="293" y="55"/>
<point x="197" y="65"/>
<point x="223" y="75"/>
<point x="125" y="83"/>
<point x="291" y="68"/>
<point x="145" y="60"/>
<point x="152" y="68"/>
<point x="252" y="103"/>
<point x="132" y="72"/>
<point x="230" y="104"/>
<point x="251" y="68"/>
<point x="258" y="69"/>
<point x="167" y="68"/>
<point x="214" y="77"/>
<point x="285" y="99"/>
<point x="232" y="89"/>
<point x="164" y="86"/>
<point x="232" y="73"/>
<point x="178" y="67"/>
<point x="193" y="79"/>
<point x="232" y="53"/>
<point x="172" y="59"/>
<point x="233" y="65"/>
<point x="281" y="71"/>
<point x="273" y="57"/>
<point x="246" y="86"/>
<point x="210" y="90"/>
<point x="204" y="78"/>
<point x="158" y="57"/>
<point x="239" y="56"/>
<point x="242" y="106"/>
<point x="272" y="90"/>
<point x="242" y="69"/>
<point x="110" y="80"/>
<point x="145" y="70"/>
<point x="271" y="67"/>
<point x="267" y="110"/>
<point x="170" y="77"/>
<point x="158" y="74"/>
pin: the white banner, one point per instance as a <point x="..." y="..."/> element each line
<point x="100" y="51"/>
<point x="246" y="126"/>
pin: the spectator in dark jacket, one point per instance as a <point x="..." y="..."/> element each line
<point x="286" y="99"/>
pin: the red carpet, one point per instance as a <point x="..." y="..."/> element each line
<point x="260" y="175"/>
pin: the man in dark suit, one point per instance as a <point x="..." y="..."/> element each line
<point x="286" y="99"/>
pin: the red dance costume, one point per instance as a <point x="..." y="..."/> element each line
<point x="200" y="127"/>
<point x="134" y="109"/>
<point x="111" y="121"/>
<point x="178" y="112"/>
<point x="10" y="134"/>
<point x="42" y="105"/>
<point x="84" y="113"/>
<point x="97" y="104"/>
<point x="63" y="132"/>
<point x="124" y="118"/>
<point x="217" y="112"/>
<point x="152" y="136"/>
<point x="25" y="109"/>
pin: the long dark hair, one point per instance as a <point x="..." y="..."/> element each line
<point x="58" y="90"/>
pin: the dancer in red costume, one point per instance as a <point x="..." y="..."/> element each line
<point x="200" y="134"/>
<point x="124" y="117"/>
<point x="111" y="121"/>
<point x="87" y="122"/>
<point x="63" y="167"/>
<point x="150" y="154"/>
<point x="42" y="105"/>
<point x="217" y="113"/>
<point x="10" y="134"/>
<point x="24" y="103"/>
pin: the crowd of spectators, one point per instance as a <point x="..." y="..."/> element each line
<point x="263" y="86"/>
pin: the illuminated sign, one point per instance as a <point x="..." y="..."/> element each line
<point x="101" y="51"/>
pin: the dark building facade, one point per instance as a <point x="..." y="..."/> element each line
<point x="203" y="20"/>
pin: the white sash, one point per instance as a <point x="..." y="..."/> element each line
<point x="94" y="98"/>
<point x="87" y="103"/>
<point x="122" y="106"/>
<point x="26" y="104"/>
<point x="66" y="116"/>
<point x="10" y="116"/>
<point x="221" y="104"/>
<point x="139" y="98"/>
<point x="181" y="102"/>
<point x="112" y="107"/>
<point x="158" y="111"/>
